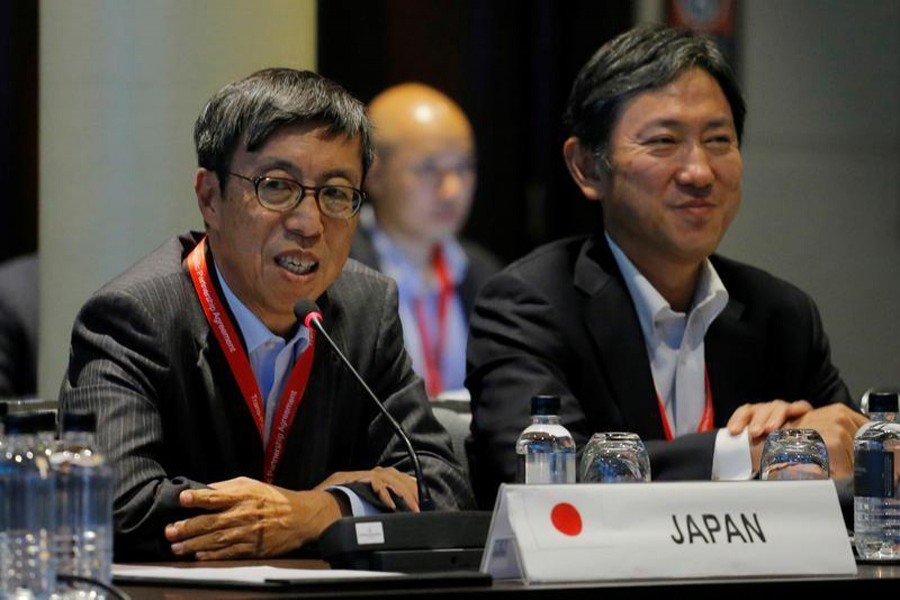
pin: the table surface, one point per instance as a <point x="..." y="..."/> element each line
<point x="869" y="579"/>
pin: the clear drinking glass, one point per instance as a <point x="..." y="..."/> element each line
<point x="791" y="454"/>
<point x="615" y="457"/>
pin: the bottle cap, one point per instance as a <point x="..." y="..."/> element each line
<point x="882" y="402"/>
<point x="544" y="405"/>
<point x="79" y="421"/>
<point x="44" y="420"/>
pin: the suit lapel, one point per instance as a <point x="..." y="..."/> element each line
<point x="308" y="447"/>
<point x="363" y="250"/>
<point x="468" y="289"/>
<point x="240" y="447"/>
<point x="613" y="325"/>
<point x="732" y="360"/>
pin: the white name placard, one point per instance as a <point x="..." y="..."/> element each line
<point x="596" y="532"/>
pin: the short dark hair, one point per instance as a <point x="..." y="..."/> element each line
<point x="644" y="58"/>
<point x="250" y="110"/>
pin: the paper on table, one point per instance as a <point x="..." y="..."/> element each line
<point x="258" y="575"/>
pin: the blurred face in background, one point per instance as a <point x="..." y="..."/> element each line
<point x="423" y="180"/>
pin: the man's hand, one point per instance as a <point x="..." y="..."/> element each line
<point x="761" y="418"/>
<point x="837" y="424"/>
<point x="383" y="481"/>
<point x="251" y="519"/>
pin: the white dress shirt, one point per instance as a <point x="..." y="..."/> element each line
<point x="676" y="350"/>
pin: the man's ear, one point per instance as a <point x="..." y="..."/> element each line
<point x="374" y="177"/>
<point x="582" y="165"/>
<point x="209" y="194"/>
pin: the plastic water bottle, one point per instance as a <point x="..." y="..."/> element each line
<point x="43" y="424"/>
<point x="30" y="498"/>
<point x="545" y="450"/>
<point x="84" y="480"/>
<point x="876" y="481"/>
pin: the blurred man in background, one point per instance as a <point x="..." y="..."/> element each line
<point x="421" y="186"/>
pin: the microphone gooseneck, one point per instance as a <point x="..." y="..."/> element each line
<point x="308" y="313"/>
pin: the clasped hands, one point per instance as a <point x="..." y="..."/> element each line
<point x="249" y="518"/>
<point x="836" y="423"/>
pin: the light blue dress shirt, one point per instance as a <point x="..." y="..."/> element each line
<point x="271" y="359"/>
<point x="412" y="286"/>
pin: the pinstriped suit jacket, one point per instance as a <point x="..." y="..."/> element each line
<point x="171" y="416"/>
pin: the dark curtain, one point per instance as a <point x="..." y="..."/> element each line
<point x="18" y="127"/>
<point x="510" y="65"/>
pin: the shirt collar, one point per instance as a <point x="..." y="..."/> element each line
<point x="710" y="297"/>
<point x="395" y="264"/>
<point x="253" y="330"/>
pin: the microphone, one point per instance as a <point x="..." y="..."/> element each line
<point x="308" y="312"/>
<point x="430" y="541"/>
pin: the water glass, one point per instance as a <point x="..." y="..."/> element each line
<point x="615" y="457"/>
<point x="792" y="454"/>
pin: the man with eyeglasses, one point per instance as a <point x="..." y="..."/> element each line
<point x="421" y="187"/>
<point x="641" y="327"/>
<point x="232" y="431"/>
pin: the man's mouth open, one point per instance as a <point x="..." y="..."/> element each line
<point x="297" y="266"/>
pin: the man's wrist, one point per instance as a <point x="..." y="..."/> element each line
<point x="315" y="511"/>
<point x="342" y="501"/>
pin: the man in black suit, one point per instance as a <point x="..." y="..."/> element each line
<point x="640" y="327"/>
<point x="422" y="185"/>
<point x="233" y="430"/>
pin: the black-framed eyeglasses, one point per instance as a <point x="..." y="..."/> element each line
<point x="282" y="195"/>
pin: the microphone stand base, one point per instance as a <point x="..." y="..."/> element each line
<point x="407" y="542"/>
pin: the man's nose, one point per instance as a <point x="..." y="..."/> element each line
<point x="696" y="170"/>
<point x="305" y="219"/>
<point x="452" y="182"/>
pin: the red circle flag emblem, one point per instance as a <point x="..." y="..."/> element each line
<point x="566" y="518"/>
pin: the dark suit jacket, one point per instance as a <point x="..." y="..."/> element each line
<point x="171" y="416"/>
<point x="561" y="321"/>
<point x="482" y="264"/>
<point x="18" y="327"/>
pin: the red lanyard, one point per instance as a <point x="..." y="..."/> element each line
<point x="706" y="419"/>
<point x="229" y="341"/>
<point x="433" y="353"/>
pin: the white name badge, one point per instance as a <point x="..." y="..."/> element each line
<point x="596" y="532"/>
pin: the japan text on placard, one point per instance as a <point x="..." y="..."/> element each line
<point x="587" y="532"/>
